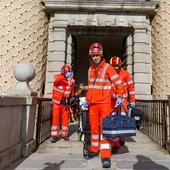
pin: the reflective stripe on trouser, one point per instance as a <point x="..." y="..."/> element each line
<point x="55" y="130"/>
<point x="64" y="132"/>
<point x="96" y="113"/>
<point x="59" y="114"/>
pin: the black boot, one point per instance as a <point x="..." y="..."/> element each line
<point x="92" y="154"/>
<point x="66" y="138"/>
<point x="115" y="149"/>
<point x="53" y="139"/>
<point x="122" y="141"/>
<point x="106" y="163"/>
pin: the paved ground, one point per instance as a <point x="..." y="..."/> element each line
<point x="140" y="153"/>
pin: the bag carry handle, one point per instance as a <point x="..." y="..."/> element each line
<point x="118" y="107"/>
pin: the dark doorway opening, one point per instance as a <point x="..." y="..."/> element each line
<point x="113" y="40"/>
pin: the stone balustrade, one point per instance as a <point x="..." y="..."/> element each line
<point x="17" y="127"/>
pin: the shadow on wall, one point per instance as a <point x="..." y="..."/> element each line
<point x="146" y="163"/>
<point x="53" y="166"/>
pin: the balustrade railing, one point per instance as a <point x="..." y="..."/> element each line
<point x="155" y="119"/>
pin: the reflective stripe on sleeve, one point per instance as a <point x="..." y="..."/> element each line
<point x="117" y="82"/>
<point x="101" y="80"/>
<point x="114" y="77"/>
<point x="116" y="96"/>
<point x="57" y="89"/>
<point x="56" y="101"/>
<point x="99" y="87"/>
<point x="130" y="82"/>
<point x="131" y="92"/>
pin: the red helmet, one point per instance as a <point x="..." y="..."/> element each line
<point x="115" y="61"/>
<point x="65" y="68"/>
<point x="96" y="49"/>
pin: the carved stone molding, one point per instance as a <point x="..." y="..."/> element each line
<point x="139" y="6"/>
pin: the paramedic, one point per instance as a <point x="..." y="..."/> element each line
<point x="129" y="87"/>
<point x="63" y="88"/>
<point x="101" y="76"/>
<point x="129" y="93"/>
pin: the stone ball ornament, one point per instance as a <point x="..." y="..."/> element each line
<point x="24" y="72"/>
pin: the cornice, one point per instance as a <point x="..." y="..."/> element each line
<point x="149" y="7"/>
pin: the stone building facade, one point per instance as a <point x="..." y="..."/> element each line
<point x="52" y="32"/>
<point x="23" y="39"/>
<point x="161" y="51"/>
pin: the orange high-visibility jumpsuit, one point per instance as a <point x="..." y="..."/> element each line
<point x="62" y="89"/>
<point x="98" y="96"/>
<point x="129" y="90"/>
<point x="129" y="93"/>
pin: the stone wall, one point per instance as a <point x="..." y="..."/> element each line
<point x="23" y="39"/>
<point x="17" y="128"/>
<point x="161" y="51"/>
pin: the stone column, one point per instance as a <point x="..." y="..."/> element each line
<point x="69" y="49"/>
<point x="142" y="63"/>
<point x="56" y="52"/>
<point x="24" y="73"/>
<point x="129" y="61"/>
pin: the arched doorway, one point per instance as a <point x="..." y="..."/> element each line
<point x="113" y="40"/>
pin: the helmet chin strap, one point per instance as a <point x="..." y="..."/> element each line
<point x="118" y="70"/>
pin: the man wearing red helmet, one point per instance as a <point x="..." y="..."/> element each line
<point x="128" y="84"/>
<point x="101" y="76"/>
<point x="63" y="88"/>
<point x="129" y="91"/>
